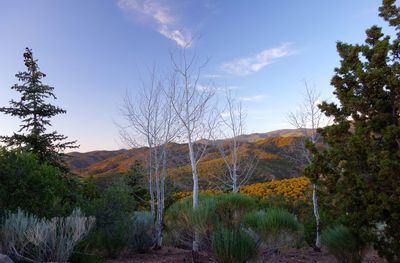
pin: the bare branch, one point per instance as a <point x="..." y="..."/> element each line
<point x="240" y="167"/>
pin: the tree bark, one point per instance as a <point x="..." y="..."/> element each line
<point x="317" y="219"/>
<point x="195" y="246"/>
<point x="152" y="205"/>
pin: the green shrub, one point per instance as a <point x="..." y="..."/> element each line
<point x="298" y="207"/>
<point x="181" y="221"/>
<point x="204" y="218"/>
<point x="230" y="208"/>
<point x="113" y="212"/>
<point x="233" y="245"/>
<point x="180" y="232"/>
<point x="276" y="227"/>
<point x="141" y="232"/>
<point x="343" y="244"/>
<point x="275" y="201"/>
<point x="36" y="188"/>
<point x="309" y="224"/>
<point x="225" y="209"/>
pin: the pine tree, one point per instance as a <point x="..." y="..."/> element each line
<point x="360" y="168"/>
<point x="135" y="179"/>
<point x="35" y="114"/>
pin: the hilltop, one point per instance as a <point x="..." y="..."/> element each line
<point x="266" y="146"/>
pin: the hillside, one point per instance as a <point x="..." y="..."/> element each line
<point x="266" y="146"/>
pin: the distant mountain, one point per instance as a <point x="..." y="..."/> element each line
<point x="81" y="160"/>
<point x="266" y="146"/>
<point x="278" y="133"/>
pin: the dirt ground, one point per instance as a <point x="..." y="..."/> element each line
<point x="164" y="255"/>
<point x="309" y="255"/>
<point x="176" y="255"/>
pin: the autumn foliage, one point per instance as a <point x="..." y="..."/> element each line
<point x="291" y="189"/>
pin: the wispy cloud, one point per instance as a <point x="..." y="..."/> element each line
<point x="213" y="76"/>
<point x="259" y="97"/>
<point x="254" y="63"/>
<point x="203" y="87"/>
<point x="160" y="17"/>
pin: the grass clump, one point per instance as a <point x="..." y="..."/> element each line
<point x="181" y="221"/>
<point x="276" y="227"/>
<point x="233" y="245"/>
<point x="231" y="208"/>
<point x="343" y="244"/>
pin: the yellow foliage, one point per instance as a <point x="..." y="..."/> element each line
<point x="179" y="195"/>
<point x="292" y="189"/>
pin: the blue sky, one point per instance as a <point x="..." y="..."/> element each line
<point x="94" y="50"/>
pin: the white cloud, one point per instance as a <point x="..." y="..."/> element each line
<point x="254" y="98"/>
<point x="175" y="35"/>
<point x="160" y="16"/>
<point x="212" y="76"/>
<point x="225" y="114"/>
<point x="203" y="87"/>
<point x="254" y="63"/>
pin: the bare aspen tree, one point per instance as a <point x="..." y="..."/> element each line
<point x="240" y="167"/>
<point x="308" y="118"/>
<point x="151" y="122"/>
<point x="138" y="112"/>
<point x="166" y="133"/>
<point x="191" y="103"/>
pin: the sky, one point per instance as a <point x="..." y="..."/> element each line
<point x="93" y="51"/>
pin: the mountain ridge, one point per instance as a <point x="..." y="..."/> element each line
<point x="265" y="146"/>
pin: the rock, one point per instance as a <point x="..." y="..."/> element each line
<point x="5" y="259"/>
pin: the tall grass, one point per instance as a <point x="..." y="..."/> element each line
<point x="342" y="243"/>
<point x="233" y="245"/>
<point x="230" y="208"/>
<point x="276" y="227"/>
<point x="181" y="221"/>
<point x="222" y="209"/>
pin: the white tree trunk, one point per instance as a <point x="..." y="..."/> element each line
<point x="235" y="187"/>
<point x="152" y="206"/>
<point x="317" y="218"/>
<point x="191" y="108"/>
<point x="159" y="216"/>
<point x="159" y="203"/>
<point x="309" y="118"/>
<point x="195" y="245"/>
<point x="194" y="174"/>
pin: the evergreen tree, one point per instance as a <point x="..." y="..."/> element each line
<point x="360" y="168"/>
<point x="135" y="179"/>
<point x="35" y="113"/>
